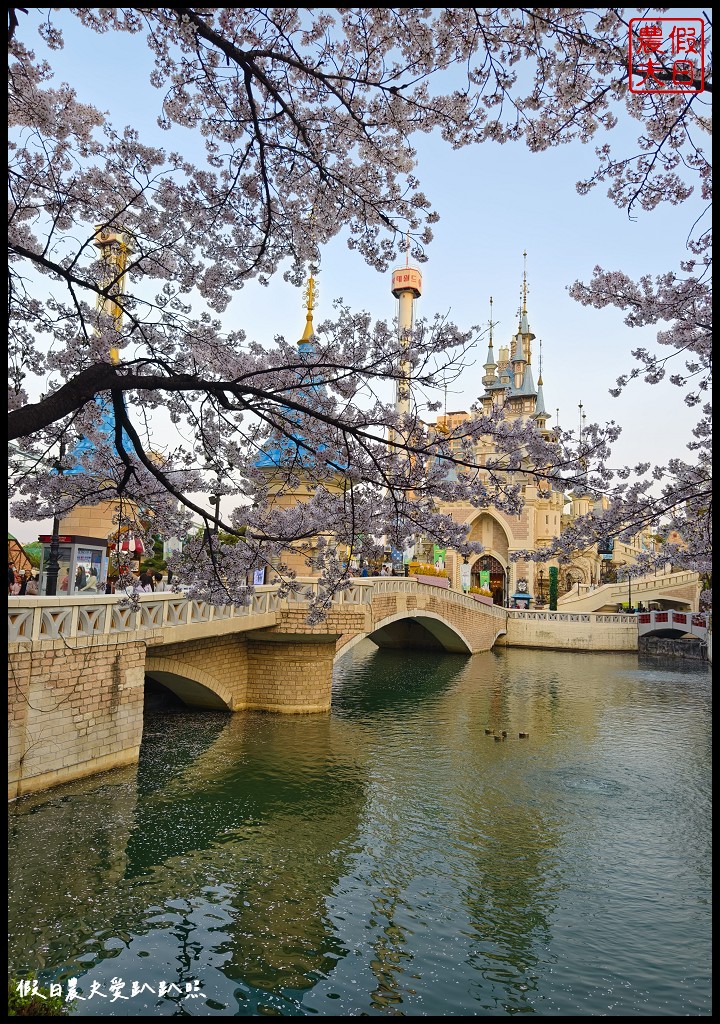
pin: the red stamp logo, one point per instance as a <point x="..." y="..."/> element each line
<point x="666" y="55"/>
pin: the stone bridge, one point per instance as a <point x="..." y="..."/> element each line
<point x="77" y="667"/>
<point x="666" y="590"/>
<point x="673" y="624"/>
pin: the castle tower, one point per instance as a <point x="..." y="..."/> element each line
<point x="308" y="469"/>
<point x="406" y="287"/>
<point x="80" y="540"/>
<point x="114" y="247"/>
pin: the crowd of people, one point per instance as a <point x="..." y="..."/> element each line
<point x="22" y="582"/>
<point x="26" y="583"/>
<point x="135" y="582"/>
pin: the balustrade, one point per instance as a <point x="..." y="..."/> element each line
<point x="52" y="618"/>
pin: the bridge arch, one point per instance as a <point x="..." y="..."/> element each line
<point x="193" y="686"/>
<point x="423" y="630"/>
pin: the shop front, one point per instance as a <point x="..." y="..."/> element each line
<point x="83" y="564"/>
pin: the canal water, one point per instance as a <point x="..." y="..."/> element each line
<point x="390" y="858"/>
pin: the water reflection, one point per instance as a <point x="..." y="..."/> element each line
<point x="391" y="858"/>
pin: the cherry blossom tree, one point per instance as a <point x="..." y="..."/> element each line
<point x="307" y="118"/>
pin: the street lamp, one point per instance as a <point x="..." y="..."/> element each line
<point x="541" y="584"/>
<point x="214" y="499"/>
<point x="629" y="587"/>
<point x="53" y="565"/>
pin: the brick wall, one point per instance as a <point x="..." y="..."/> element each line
<point x="74" y="708"/>
<point x="290" y="677"/>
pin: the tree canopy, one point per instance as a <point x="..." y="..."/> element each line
<point x="307" y="118"/>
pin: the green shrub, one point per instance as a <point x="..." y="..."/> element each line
<point x="425" y="569"/>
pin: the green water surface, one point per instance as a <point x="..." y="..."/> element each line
<point x="390" y="858"/>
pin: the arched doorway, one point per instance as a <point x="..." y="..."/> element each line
<point x="572" y="578"/>
<point x="493" y="577"/>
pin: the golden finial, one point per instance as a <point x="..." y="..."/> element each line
<point x="310" y="291"/>
<point x="525" y="288"/>
<point x="491" y="323"/>
<point x="310" y="296"/>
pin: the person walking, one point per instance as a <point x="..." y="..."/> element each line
<point x="11" y="577"/>
<point x="23" y="583"/>
<point x="92" y="580"/>
<point x="146" y="583"/>
<point x="160" y="585"/>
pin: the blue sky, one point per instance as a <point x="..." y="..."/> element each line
<point x="495" y="202"/>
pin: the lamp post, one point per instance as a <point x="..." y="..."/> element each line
<point x="541" y="584"/>
<point x="214" y="499"/>
<point x="53" y="565"/>
<point x="629" y="586"/>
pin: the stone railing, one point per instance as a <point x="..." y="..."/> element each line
<point x="640" y="587"/>
<point x="695" y="623"/>
<point x="408" y="585"/>
<point x="53" y="618"/>
<point x="602" y="617"/>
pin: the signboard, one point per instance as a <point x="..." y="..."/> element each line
<point x="259" y="578"/>
<point x="396" y="557"/>
<point x="465" y="577"/>
<point x="439" y="557"/>
<point x="171" y="546"/>
<point x="484" y="579"/>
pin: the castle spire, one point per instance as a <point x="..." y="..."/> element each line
<point x="310" y="296"/>
<point x="524" y="335"/>
<point x="541" y="414"/>
<point x="490" y="366"/>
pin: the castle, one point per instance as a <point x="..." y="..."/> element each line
<point x="508" y="382"/>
